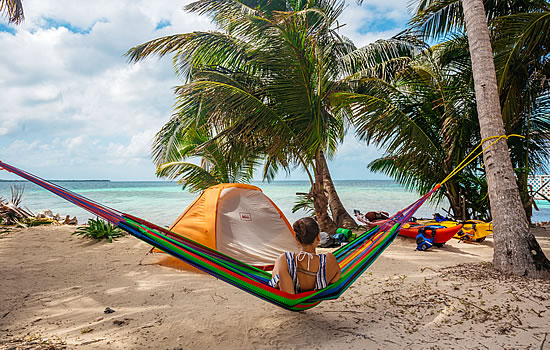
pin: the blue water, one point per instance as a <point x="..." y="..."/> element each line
<point x="162" y="202"/>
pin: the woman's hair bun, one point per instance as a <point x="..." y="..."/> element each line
<point x="306" y="230"/>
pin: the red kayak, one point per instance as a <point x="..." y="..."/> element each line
<point x="411" y="229"/>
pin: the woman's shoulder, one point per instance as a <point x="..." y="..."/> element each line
<point x="286" y="253"/>
<point x="284" y="256"/>
<point x="330" y="258"/>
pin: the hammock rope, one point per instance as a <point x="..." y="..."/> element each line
<point x="353" y="258"/>
<point x="463" y="164"/>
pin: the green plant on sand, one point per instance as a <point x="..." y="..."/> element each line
<point x="99" y="229"/>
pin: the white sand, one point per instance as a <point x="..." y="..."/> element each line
<point x="55" y="287"/>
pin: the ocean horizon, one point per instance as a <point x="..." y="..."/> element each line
<point x="161" y="202"/>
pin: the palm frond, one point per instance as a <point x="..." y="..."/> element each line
<point x="13" y="9"/>
<point x="191" y="176"/>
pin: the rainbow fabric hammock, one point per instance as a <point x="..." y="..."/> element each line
<point x="353" y="258"/>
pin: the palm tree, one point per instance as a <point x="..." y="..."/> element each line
<point x="265" y="80"/>
<point x="520" y="40"/>
<point x="516" y="249"/>
<point x="424" y="116"/>
<point x="436" y="90"/>
<point x="13" y="9"/>
<point x="514" y="243"/>
<point x="437" y="18"/>
<point x="221" y="161"/>
<point x="521" y="44"/>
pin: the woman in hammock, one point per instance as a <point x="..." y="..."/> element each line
<point x="305" y="271"/>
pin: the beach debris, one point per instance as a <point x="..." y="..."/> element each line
<point x="11" y="212"/>
<point x="69" y="221"/>
<point x="543" y="341"/>
<point x="108" y="310"/>
<point x="33" y="342"/>
<point x="47" y="216"/>
<point x="123" y="322"/>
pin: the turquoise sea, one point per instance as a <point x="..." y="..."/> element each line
<point x="161" y="202"/>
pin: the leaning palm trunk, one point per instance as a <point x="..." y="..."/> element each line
<point x="339" y="214"/>
<point x="516" y="249"/>
<point x="453" y="196"/>
<point x="320" y="201"/>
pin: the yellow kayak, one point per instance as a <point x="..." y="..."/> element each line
<point x="472" y="230"/>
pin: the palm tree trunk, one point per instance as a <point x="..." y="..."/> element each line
<point x="339" y="214"/>
<point x="454" y="199"/>
<point x="516" y="249"/>
<point x="320" y="201"/>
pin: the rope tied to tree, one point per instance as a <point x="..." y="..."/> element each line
<point x="467" y="160"/>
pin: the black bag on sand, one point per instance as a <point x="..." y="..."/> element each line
<point x="327" y="241"/>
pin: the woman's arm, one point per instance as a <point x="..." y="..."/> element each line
<point x="285" y="281"/>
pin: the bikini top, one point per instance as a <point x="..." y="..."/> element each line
<point x="293" y="269"/>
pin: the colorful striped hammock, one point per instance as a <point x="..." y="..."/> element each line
<point x="353" y="258"/>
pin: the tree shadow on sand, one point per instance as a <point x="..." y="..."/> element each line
<point x="453" y="249"/>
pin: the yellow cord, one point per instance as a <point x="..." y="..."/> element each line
<point x="462" y="166"/>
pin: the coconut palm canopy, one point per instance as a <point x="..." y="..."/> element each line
<point x="423" y="115"/>
<point x="279" y="79"/>
<point x="267" y="75"/>
<point x="520" y="41"/>
<point x="265" y="80"/>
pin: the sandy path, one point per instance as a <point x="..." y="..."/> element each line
<point x="57" y="286"/>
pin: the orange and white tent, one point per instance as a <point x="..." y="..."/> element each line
<point x="238" y="220"/>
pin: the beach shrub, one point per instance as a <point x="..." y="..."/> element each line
<point x="99" y="229"/>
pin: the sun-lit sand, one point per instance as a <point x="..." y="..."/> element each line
<point x="55" y="288"/>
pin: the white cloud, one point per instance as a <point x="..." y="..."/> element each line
<point x="372" y="14"/>
<point x="138" y="148"/>
<point x="74" y="142"/>
<point x="71" y="104"/>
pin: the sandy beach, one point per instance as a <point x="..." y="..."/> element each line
<point x="55" y="288"/>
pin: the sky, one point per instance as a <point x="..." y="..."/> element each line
<point x="72" y="107"/>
